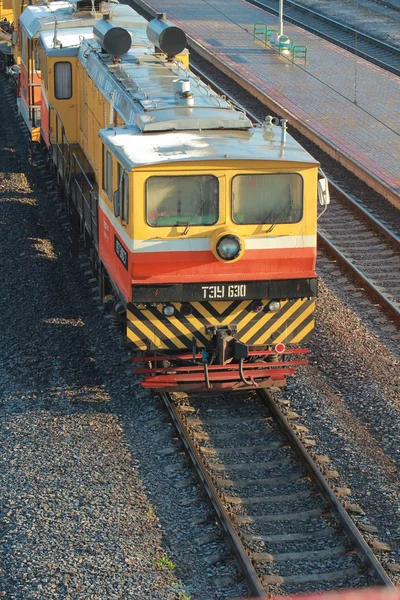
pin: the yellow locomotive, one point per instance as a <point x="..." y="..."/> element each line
<point x="201" y="225"/>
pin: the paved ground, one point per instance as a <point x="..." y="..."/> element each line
<point x="350" y="103"/>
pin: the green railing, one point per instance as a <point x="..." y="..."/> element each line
<point x="299" y="52"/>
<point x="263" y="33"/>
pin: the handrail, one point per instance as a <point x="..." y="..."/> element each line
<point x="85" y="200"/>
<point x="81" y="190"/>
<point x="60" y="141"/>
<point x="82" y="171"/>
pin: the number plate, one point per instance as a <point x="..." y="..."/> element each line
<point x="205" y="292"/>
<point x="228" y="291"/>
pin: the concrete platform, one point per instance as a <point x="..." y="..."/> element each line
<point x="348" y="106"/>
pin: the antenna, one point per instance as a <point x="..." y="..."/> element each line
<point x="56" y="42"/>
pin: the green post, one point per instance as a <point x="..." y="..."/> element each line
<point x="299" y="52"/>
<point x="259" y="29"/>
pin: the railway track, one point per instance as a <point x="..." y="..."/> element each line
<point x="365" y="247"/>
<point x="288" y="531"/>
<point x="374" y="50"/>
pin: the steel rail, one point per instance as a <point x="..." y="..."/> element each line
<point x="323" y="17"/>
<point x="364" y="551"/>
<point x="367" y="284"/>
<point x="233" y="540"/>
<point x="362" y="212"/>
<point x="360" y="35"/>
<point x="316" y="475"/>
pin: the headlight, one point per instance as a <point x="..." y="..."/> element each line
<point x="257" y="306"/>
<point x="229" y="247"/>
<point x="168" y="310"/>
<point x="186" y="309"/>
<point x="274" y="306"/>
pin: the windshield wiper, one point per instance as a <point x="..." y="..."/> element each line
<point x="203" y="201"/>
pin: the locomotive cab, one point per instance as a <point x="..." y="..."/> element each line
<point x="219" y="251"/>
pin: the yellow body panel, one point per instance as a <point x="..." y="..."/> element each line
<point x="66" y="109"/>
<point x="225" y="171"/>
<point x="6" y="10"/>
<point x="93" y="115"/>
<point x="184" y="57"/>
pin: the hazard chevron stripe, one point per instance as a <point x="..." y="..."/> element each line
<point x="150" y="327"/>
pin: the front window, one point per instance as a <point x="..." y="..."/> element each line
<point x="182" y="200"/>
<point x="268" y="198"/>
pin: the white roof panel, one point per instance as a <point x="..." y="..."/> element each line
<point x="35" y="15"/>
<point x="143" y="87"/>
<point x="38" y="17"/>
<point x="135" y="149"/>
<point x="70" y="39"/>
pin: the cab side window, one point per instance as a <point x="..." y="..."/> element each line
<point x="24" y="53"/>
<point x="37" y="58"/>
<point x="44" y="72"/>
<point x="107" y="172"/>
<point x="123" y="186"/>
<point x="63" y="80"/>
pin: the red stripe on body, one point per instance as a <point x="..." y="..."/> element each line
<point x="200" y="266"/>
<point x="113" y="264"/>
<point x="24" y="87"/>
<point x="169" y="267"/>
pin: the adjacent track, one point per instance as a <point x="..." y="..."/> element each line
<point x="374" y="50"/>
<point x="365" y="247"/>
<point x="271" y="501"/>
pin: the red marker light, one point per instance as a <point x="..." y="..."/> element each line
<point x="280" y="348"/>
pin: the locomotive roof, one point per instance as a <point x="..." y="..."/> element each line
<point x="143" y="86"/>
<point x="37" y="17"/>
<point x="68" y="15"/>
<point x="73" y="27"/>
<point x="133" y="149"/>
<point x="70" y="41"/>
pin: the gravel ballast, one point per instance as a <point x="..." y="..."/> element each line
<point x="96" y="503"/>
<point x="349" y="399"/>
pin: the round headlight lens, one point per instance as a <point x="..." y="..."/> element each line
<point x="274" y="306"/>
<point x="168" y="310"/>
<point x="186" y="309"/>
<point x="257" y="306"/>
<point x="229" y="247"/>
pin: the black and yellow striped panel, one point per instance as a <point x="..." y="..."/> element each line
<point x="293" y="324"/>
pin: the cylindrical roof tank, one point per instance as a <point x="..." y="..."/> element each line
<point x="114" y="40"/>
<point x="167" y="37"/>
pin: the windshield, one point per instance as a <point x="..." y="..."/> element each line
<point x="182" y="200"/>
<point x="268" y="198"/>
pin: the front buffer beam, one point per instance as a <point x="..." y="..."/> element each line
<point x="194" y="375"/>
